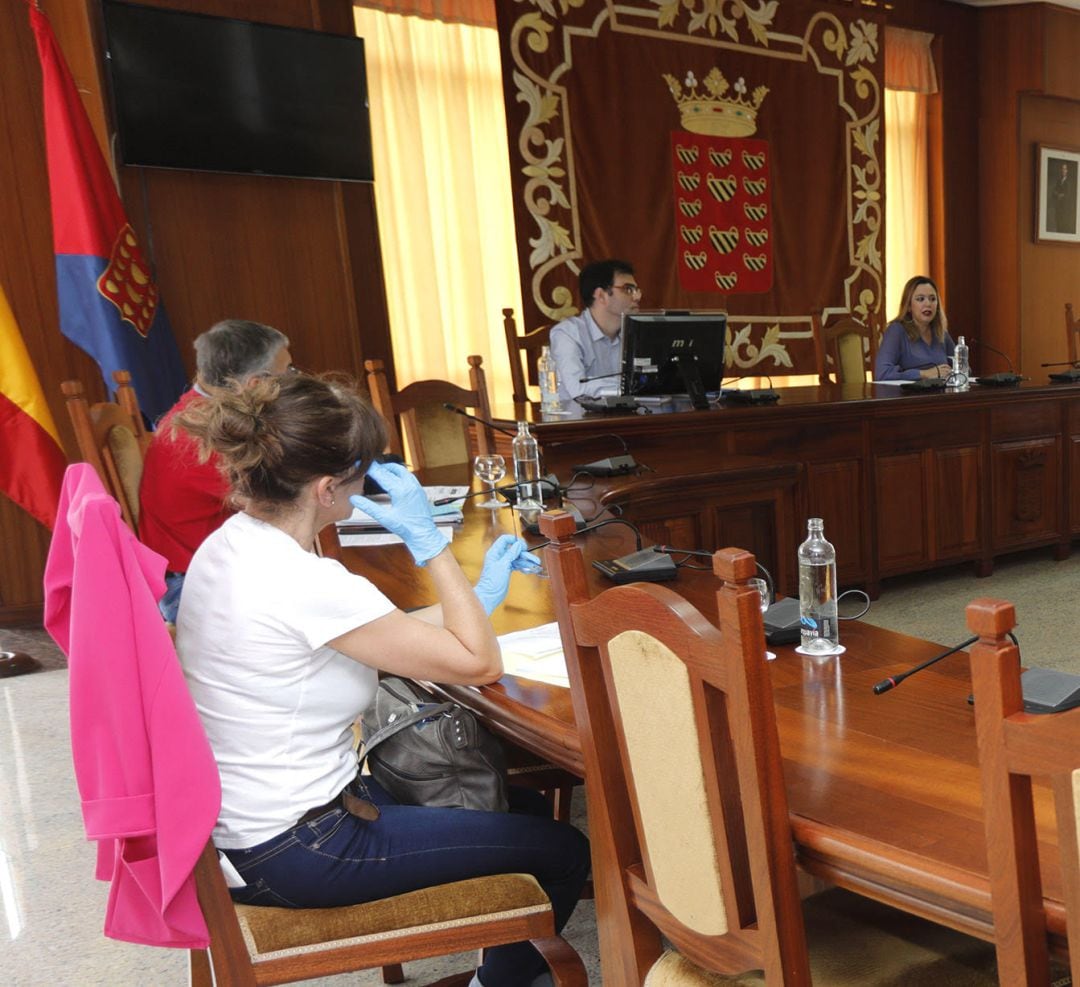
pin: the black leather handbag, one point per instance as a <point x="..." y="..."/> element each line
<point x="426" y="752"/>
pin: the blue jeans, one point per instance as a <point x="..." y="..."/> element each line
<point x="169" y="604"/>
<point x="337" y="859"/>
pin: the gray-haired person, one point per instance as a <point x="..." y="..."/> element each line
<point x="181" y="498"/>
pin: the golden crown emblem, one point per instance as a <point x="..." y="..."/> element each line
<point x="716" y="111"/>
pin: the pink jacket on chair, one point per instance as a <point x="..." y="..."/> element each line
<point x="149" y="785"/>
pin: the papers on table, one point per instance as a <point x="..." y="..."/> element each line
<point x="379" y="536"/>
<point x="535" y="654"/>
<point x="360" y="529"/>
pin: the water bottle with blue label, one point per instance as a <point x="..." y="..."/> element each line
<point x="817" y="593"/>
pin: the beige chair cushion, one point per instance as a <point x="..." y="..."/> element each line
<point x="442" y="435"/>
<point x="128" y="458"/>
<point x="653" y="691"/>
<point x="852" y="367"/>
<point x="272" y="932"/>
<point x="857" y="942"/>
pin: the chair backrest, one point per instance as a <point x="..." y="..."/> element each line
<point x="113" y="439"/>
<point x="436" y="436"/>
<point x="1014" y="746"/>
<point x="1072" y="328"/>
<point x="849" y="345"/>
<point x="525" y="347"/>
<point x="682" y="764"/>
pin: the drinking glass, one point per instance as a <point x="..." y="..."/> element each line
<point x="763" y="591"/>
<point x="490" y="469"/>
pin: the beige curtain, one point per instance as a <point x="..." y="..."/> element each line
<point x="909" y="76"/>
<point x="478" y="12"/>
<point x="442" y="190"/>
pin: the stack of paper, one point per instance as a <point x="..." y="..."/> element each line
<point x="535" y="654"/>
<point x="360" y="528"/>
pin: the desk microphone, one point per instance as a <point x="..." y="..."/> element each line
<point x="752" y="395"/>
<point x="1070" y="376"/>
<point x="612" y="465"/>
<point x="586" y="380"/>
<point x="1004" y="379"/>
<point x="483" y="421"/>
<point x="891" y="683"/>
<point x="549" y="487"/>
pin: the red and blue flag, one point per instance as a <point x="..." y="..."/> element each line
<point x="109" y="304"/>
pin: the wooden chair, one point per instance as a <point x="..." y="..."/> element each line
<point x="113" y="439"/>
<point x="530" y="344"/>
<point x="252" y="945"/>
<point x="436" y="436"/>
<point x="1072" y="330"/>
<point x="688" y="813"/>
<point x="849" y="345"/>
<point x="1014" y="747"/>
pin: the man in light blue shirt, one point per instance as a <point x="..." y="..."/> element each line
<point x="587" y="348"/>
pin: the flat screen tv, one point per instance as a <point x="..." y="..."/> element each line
<point x="214" y="94"/>
<point x="672" y="352"/>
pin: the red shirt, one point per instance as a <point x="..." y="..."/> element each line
<point x="181" y="500"/>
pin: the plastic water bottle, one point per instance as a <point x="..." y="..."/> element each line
<point x="961" y="364"/>
<point x="817" y="592"/>
<point x="548" y="374"/>
<point x="527" y="469"/>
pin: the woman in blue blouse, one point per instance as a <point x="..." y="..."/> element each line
<point x="917" y="342"/>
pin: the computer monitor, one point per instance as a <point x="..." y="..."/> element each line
<point x="673" y="353"/>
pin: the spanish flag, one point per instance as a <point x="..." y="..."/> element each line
<point x="29" y="443"/>
<point x="109" y="304"/>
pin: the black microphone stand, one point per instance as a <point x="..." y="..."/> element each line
<point x="483" y="421"/>
<point x="1007" y="378"/>
<point x="891" y="683"/>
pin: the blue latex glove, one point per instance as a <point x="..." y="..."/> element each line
<point x="408" y="515"/>
<point x="507" y="554"/>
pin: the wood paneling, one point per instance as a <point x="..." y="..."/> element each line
<point x="1010" y="40"/>
<point x="834" y="493"/>
<point x="1026" y="491"/>
<point x="1049" y="272"/>
<point x="902" y="511"/>
<point x="957" y="501"/>
<point x="1062" y="44"/>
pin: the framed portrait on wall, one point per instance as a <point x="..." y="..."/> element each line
<point x="1057" y="206"/>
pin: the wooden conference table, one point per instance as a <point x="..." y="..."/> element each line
<point x="884" y="791"/>
<point x="904" y="482"/>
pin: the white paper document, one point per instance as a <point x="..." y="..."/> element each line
<point x="369" y="539"/>
<point x="535" y="654"/>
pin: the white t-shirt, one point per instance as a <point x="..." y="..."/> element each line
<point x="277" y="704"/>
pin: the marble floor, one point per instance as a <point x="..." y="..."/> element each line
<point x="51" y="909"/>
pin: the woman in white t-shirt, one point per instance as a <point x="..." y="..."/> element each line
<point x="282" y="648"/>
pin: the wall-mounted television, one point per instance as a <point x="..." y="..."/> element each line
<point x="214" y="94"/>
<point x="672" y="352"/>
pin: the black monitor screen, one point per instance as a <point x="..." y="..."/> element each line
<point x="209" y="93"/>
<point x="659" y="348"/>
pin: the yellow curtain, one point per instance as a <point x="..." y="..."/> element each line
<point x="907" y="228"/>
<point x="479" y="12"/>
<point x="442" y="190"/>
<point x="909" y="76"/>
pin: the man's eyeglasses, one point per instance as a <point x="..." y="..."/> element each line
<point x="629" y="288"/>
